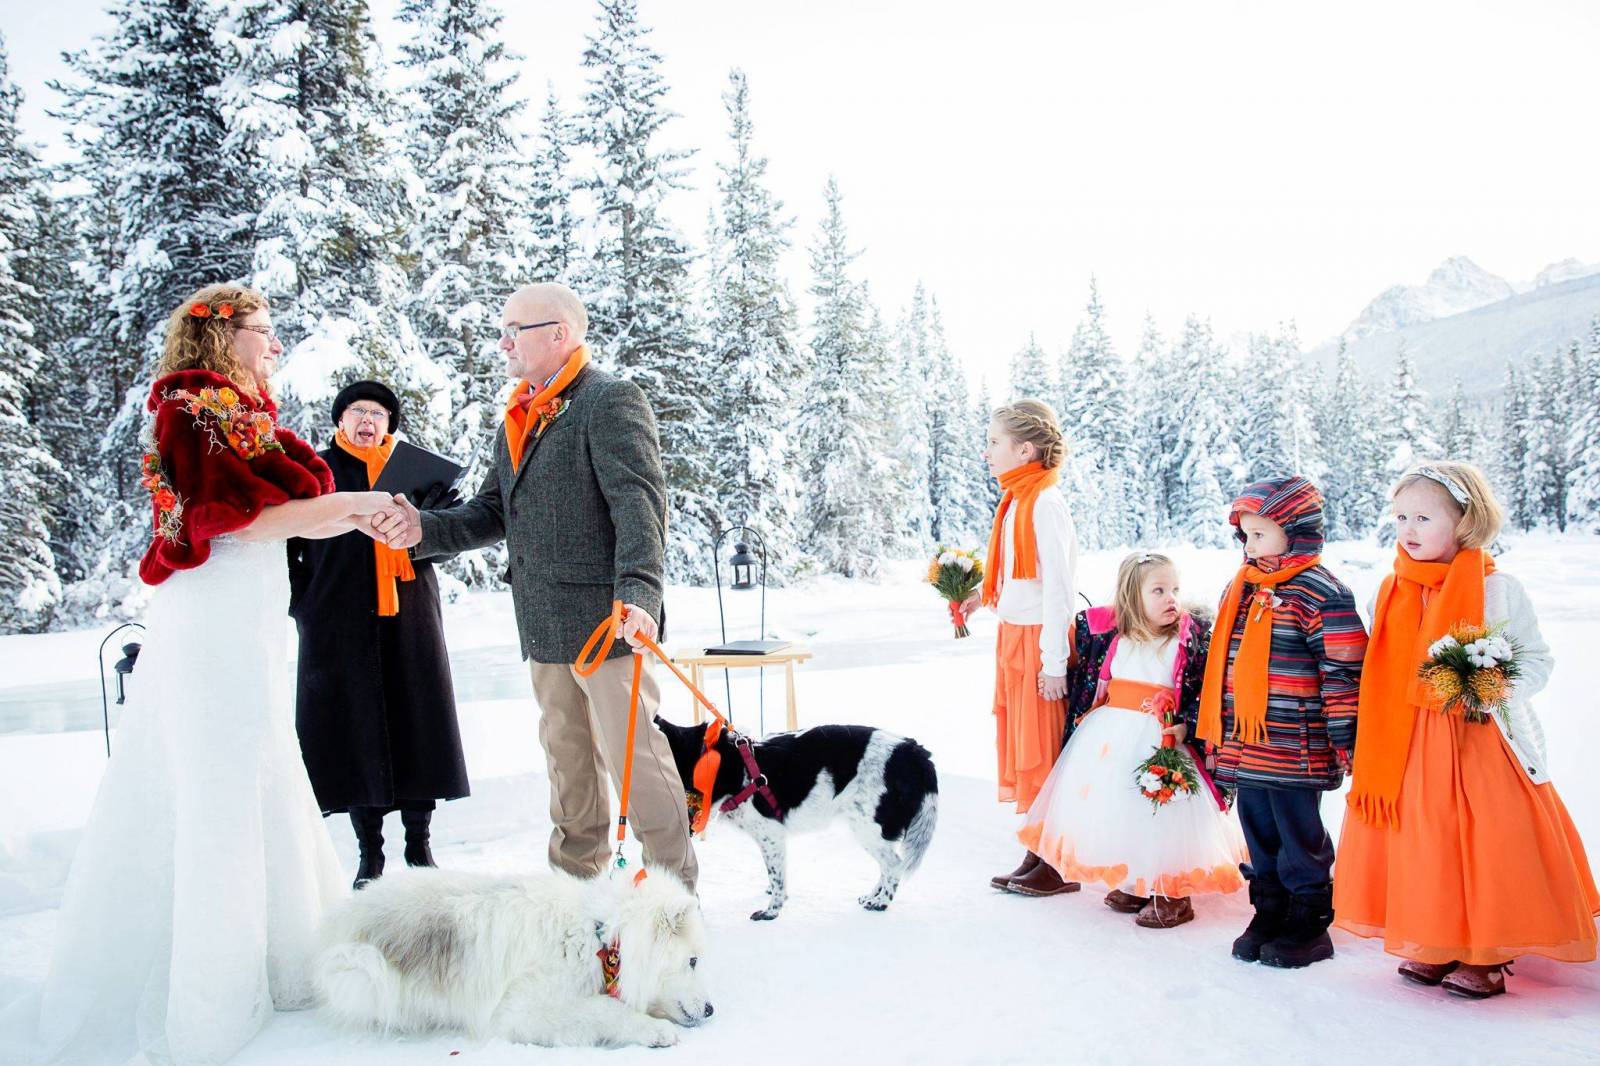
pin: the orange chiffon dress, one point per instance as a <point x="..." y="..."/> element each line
<point x="1027" y="726"/>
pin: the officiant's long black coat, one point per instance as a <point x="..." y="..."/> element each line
<point x="375" y="708"/>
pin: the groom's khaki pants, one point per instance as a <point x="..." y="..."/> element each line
<point x="583" y="726"/>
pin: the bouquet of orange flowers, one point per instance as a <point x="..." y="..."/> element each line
<point x="954" y="573"/>
<point x="1471" y="669"/>
<point x="1168" y="772"/>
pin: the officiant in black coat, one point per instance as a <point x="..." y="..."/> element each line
<point x="375" y="708"/>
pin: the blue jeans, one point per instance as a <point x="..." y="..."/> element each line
<point x="1283" y="828"/>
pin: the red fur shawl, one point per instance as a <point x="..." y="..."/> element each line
<point x="213" y="461"/>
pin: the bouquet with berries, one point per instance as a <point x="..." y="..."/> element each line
<point x="1169" y="772"/>
<point x="954" y="573"/>
<point x="1471" y="669"/>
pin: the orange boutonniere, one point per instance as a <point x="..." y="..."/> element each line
<point x="547" y="413"/>
<point x="200" y="310"/>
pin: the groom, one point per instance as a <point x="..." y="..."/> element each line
<point x="578" y="495"/>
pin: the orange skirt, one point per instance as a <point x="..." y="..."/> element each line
<point x="1485" y="866"/>
<point x="1027" y="727"/>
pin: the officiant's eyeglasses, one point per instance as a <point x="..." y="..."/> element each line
<point x="509" y="333"/>
<point x="368" y="414"/>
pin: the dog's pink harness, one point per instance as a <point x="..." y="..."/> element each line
<point x="758" y="781"/>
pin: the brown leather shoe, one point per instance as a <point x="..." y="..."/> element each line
<point x="1427" y="973"/>
<point x="1478" y="982"/>
<point x="1042" y="880"/>
<point x="1003" y="881"/>
<point x="1164" y="913"/>
<point x="1125" y="903"/>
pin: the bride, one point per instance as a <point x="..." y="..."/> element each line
<point x="193" y="899"/>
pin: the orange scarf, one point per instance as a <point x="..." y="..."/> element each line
<point x="1417" y="604"/>
<point x="1251" y="670"/>
<point x="1022" y="484"/>
<point x="393" y="563"/>
<point x="530" y="412"/>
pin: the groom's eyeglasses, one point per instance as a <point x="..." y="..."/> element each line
<point x="509" y="333"/>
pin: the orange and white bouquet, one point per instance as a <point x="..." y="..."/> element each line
<point x="1471" y="669"/>
<point x="955" y="573"/>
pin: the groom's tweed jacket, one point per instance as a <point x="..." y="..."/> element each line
<point x="584" y="517"/>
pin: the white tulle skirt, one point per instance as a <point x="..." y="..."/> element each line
<point x="191" y="908"/>
<point x="1092" y="824"/>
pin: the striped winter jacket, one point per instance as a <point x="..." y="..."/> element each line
<point x="1314" y="675"/>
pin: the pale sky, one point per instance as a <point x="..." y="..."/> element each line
<point x="1250" y="161"/>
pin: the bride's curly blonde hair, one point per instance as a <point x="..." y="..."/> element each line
<point x="205" y="342"/>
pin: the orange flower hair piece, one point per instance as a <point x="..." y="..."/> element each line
<point x="199" y="310"/>
<point x="224" y="311"/>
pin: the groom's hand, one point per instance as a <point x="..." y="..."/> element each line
<point x="635" y="621"/>
<point x="399" y="525"/>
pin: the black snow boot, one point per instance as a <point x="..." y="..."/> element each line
<point x="368" y="822"/>
<point x="1271" y="902"/>
<point x="1305" y="938"/>
<point x="417" y="851"/>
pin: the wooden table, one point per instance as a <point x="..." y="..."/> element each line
<point x="697" y="663"/>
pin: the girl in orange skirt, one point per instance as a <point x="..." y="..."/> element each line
<point x="1456" y="849"/>
<point x="1032" y="555"/>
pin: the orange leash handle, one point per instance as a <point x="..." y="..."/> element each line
<point x="595" y="652"/>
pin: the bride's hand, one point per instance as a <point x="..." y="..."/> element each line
<point x="363" y="504"/>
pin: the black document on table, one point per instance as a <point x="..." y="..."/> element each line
<point x="416" y="471"/>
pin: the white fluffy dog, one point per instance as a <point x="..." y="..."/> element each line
<point x="520" y="958"/>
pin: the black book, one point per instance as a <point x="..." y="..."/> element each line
<point x="748" y="647"/>
<point x="416" y="471"/>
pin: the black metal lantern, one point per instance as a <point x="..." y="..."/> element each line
<point x="123" y="667"/>
<point x="743" y="567"/>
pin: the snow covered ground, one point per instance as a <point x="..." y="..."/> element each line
<point x="954" y="971"/>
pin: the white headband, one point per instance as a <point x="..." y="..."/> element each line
<point x="1451" y="485"/>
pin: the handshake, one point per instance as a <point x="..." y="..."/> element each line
<point x="392" y="520"/>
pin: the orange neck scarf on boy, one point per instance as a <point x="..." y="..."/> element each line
<point x="393" y="563"/>
<point x="1022" y="486"/>
<point x="1252" y="666"/>
<point x="1417" y="604"/>
<point x="530" y="412"/>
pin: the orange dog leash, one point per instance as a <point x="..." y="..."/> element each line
<point x="595" y="651"/>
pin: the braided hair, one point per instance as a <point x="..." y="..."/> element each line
<point x="1034" y="422"/>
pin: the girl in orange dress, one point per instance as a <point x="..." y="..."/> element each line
<point x="1032" y="555"/>
<point x="1456" y="850"/>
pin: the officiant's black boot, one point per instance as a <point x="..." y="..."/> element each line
<point x="368" y="823"/>
<point x="417" y="851"/>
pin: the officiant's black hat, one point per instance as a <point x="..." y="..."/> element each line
<point x="367" y="390"/>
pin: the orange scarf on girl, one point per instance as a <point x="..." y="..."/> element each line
<point x="531" y="412"/>
<point x="1022" y="486"/>
<point x="1252" y="682"/>
<point x="1417" y="604"/>
<point x="394" y="564"/>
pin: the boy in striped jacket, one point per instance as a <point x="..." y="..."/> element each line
<point x="1278" y="713"/>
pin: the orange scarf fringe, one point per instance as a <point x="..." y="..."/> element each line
<point x="1022" y="486"/>
<point x="525" y="413"/>
<point x="1251" y="681"/>
<point x="393" y="564"/>
<point x="1417" y="604"/>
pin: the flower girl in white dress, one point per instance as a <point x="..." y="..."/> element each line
<point x="1133" y="665"/>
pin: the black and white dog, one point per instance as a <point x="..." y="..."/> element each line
<point x="883" y="786"/>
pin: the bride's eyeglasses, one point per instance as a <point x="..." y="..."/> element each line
<point x="265" y="331"/>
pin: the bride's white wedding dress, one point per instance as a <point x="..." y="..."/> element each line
<point x="191" y="909"/>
